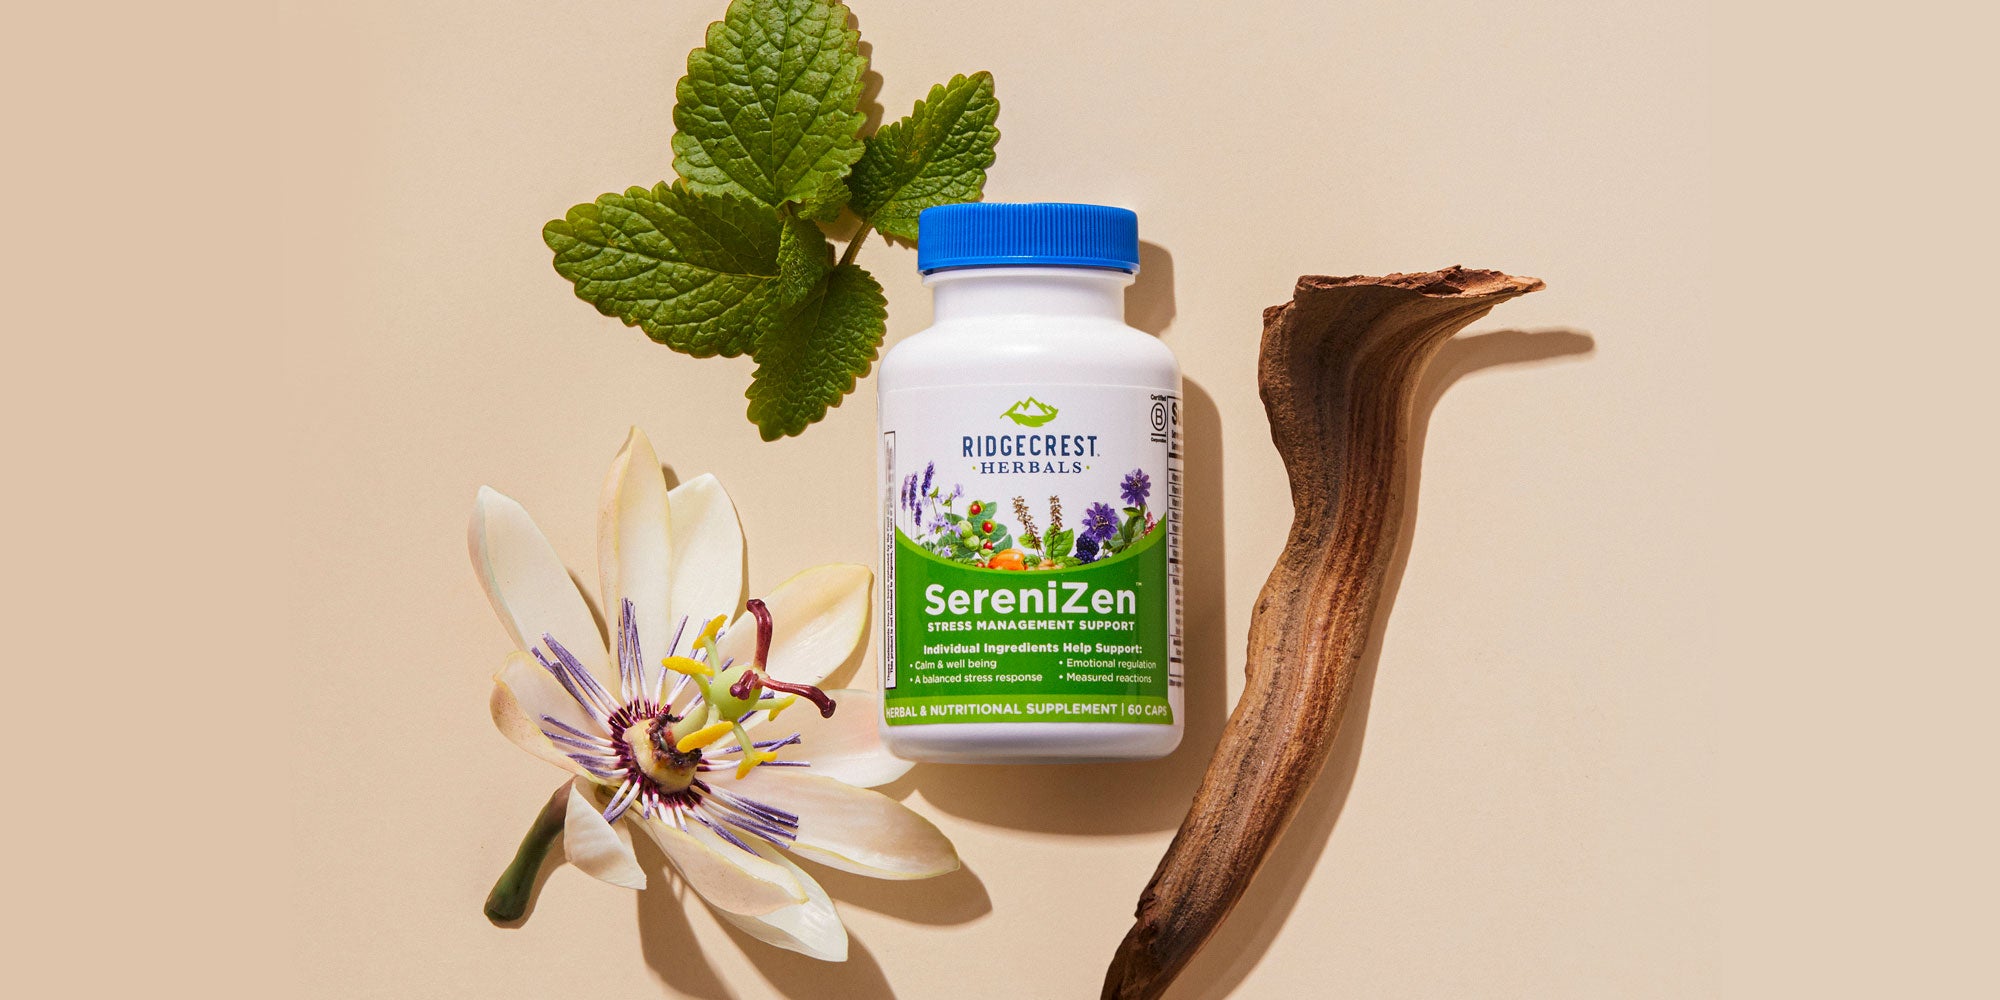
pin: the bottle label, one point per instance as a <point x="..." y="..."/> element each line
<point x="1031" y="554"/>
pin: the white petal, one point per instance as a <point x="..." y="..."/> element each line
<point x="632" y="553"/>
<point x="706" y="574"/>
<point x="602" y="850"/>
<point x="846" y="747"/>
<point x="536" y="693"/>
<point x="852" y="829"/>
<point x="527" y="584"/>
<point x="811" y="928"/>
<point x="818" y="619"/>
<point x="723" y="873"/>
<point x="514" y="723"/>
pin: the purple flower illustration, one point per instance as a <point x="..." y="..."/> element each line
<point x="1099" y="523"/>
<point x="1136" y="488"/>
<point x="1086" y="549"/>
<point x="925" y="489"/>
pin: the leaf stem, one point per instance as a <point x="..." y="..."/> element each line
<point x="854" y="245"/>
<point x="509" y="898"/>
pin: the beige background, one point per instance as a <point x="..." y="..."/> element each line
<point x="1688" y="685"/>
<point x="1517" y="807"/>
<point x="275" y="305"/>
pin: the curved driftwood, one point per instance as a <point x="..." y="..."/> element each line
<point x="1338" y="371"/>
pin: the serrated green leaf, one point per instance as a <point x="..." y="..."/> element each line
<point x="703" y="275"/>
<point x="812" y="361"/>
<point x="804" y="258"/>
<point x="767" y="109"/>
<point x="827" y="209"/>
<point x="936" y="156"/>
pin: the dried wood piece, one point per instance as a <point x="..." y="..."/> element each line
<point x="1338" y="371"/>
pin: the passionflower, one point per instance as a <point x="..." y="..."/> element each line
<point x="683" y="727"/>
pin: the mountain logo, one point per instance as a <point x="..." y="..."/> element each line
<point x="1030" y="412"/>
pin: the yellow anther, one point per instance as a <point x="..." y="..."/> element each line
<point x="709" y="630"/>
<point x="781" y="704"/>
<point x="683" y="665"/>
<point x="704" y="736"/>
<point x="751" y="758"/>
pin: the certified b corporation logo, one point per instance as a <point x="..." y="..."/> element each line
<point x="1030" y="412"/>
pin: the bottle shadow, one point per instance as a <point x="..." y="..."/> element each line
<point x="1149" y="299"/>
<point x="1241" y="943"/>
<point x="1141" y="796"/>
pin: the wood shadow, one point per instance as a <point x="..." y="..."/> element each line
<point x="1143" y="796"/>
<point x="1242" y="941"/>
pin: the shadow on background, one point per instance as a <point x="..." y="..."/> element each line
<point x="550" y="862"/>
<point x="1242" y="941"/>
<point x="1149" y="300"/>
<point x="802" y="978"/>
<point x="957" y="898"/>
<point x="675" y="953"/>
<point x="1148" y="795"/>
<point x="665" y="937"/>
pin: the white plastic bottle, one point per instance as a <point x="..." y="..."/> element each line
<point x="1031" y="480"/>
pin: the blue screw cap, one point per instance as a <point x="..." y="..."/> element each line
<point x="1039" y="234"/>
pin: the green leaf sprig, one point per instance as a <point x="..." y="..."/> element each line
<point x="730" y="259"/>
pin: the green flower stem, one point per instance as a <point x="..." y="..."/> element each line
<point x="509" y="898"/>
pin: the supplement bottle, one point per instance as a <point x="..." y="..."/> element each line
<point x="1031" y="483"/>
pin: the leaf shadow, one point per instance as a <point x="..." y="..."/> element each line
<point x="1242" y="941"/>
<point x="848" y="225"/>
<point x="871" y="81"/>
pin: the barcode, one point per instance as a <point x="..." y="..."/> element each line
<point x="1166" y="421"/>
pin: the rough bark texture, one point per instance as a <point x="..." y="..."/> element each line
<point x="1338" y="372"/>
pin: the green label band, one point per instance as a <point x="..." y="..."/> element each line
<point x="1087" y="643"/>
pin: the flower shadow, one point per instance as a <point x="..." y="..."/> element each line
<point x="1219" y="968"/>
<point x="550" y="862"/>
<point x="795" y="975"/>
<point x="674" y="952"/>
<point x="667" y="940"/>
<point x="957" y="898"/>
<point x="1142" y="796"/>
